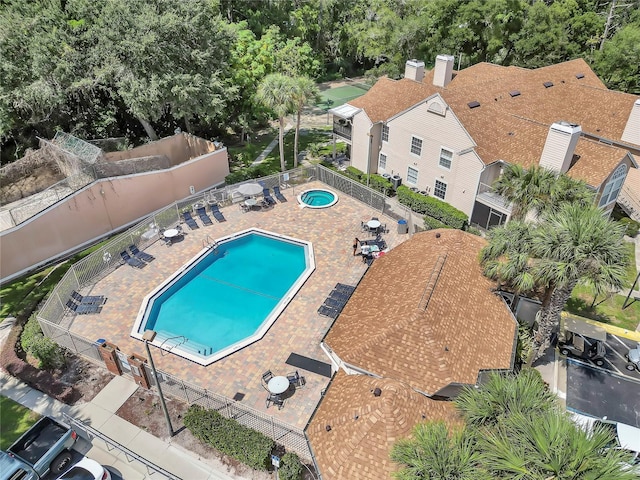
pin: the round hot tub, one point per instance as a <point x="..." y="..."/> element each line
<point x="317" y="198"/>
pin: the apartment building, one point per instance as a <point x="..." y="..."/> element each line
<point x="449" y="134"/>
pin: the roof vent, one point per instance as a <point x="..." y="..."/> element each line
<point x="377" y="392"/>
<point x="437" y="235"/>
<point x="548" y="84"/>
<point x="328" y="428"/>
<point x="579" y="76"/>
<point x="514" y="93"/>
<point x="474" y="104"/>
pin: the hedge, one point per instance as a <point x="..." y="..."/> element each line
<point x="229" y="437"/>
<point x="49" y="355"/>
<point x="376" y="182"/>
<point x="290" y="467"/>
<point x="432" y="207"/>
<point x="257" y="171"/>
<point x="431" y="223"/>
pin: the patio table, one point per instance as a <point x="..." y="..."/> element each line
<point x="373" y="224"/>
<point x="278" y="385"/>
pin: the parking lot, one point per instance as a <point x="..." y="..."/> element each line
<point x="609" y="391"/>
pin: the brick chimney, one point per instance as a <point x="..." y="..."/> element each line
<point x="414" y="70"/>
<point x="560" y="146"/>
<point x="443" y="71"/>
<point x="631" y="132"/>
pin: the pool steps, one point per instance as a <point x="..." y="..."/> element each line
<point x="169" y="341"/>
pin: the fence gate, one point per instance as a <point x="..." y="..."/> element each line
<point x="124" y="363"/>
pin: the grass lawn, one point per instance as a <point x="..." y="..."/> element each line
<point x="307" y="137"/>
<point x="15" y="420"/>
<point x="608" y="310"/>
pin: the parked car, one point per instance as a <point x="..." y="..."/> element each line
<point x="583" y="340"/>
<point x="633" y="358"/>
<point x="42" y="448"/>
<point x="86" y="469"/>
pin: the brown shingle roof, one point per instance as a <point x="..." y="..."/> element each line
<point x="358" y="449"/>
<point x="384" y="329"/>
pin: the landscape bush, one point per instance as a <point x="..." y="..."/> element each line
<point x="290" y="467"/>
<point x="630" y="225"/>
<point x="49" y="355"/>
<point x="229" y="437"/>
<point x="432" y="207"/>
<point x="257" y="171"/>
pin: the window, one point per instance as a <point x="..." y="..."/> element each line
<point x="382" y="161"/>
<point x="385" y="133"/>
<point x="613" y="186"/>
<point x="440" y="189"/>
<point x="412" y="175"/>
<point x="416" y="146"/>
<point x="446" y="156"/>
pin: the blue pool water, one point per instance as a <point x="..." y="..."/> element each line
<point x="318" y="198"/>
<point x="229" y="293"/>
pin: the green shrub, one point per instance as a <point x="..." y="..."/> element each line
<point x="431" y="223"/>
<point x="630" y="225"/>
<point x="378" y="182"/>
<point x="353" y="172"/>
<point x="432" y="207"/>
<point x="290" y="467"/>
<point x="257" y="171"/>
<point x="45" y="350"/>
<point x="229" y="437"/>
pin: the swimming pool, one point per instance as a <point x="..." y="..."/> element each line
<point x="317" y="198"/>
<point x="227" y="296"/>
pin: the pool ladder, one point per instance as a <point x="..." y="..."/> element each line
<point x="209" y="242"/>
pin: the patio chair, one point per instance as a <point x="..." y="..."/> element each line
<point x="83" y="309"/>
<point x="217" y="214"/>
<point x="267" y="197"/>
<point x="266" y="376"/>
<point x="296" y="380"/>
<point x="132" y="261"/>
<point x="88" y="299"/>
<point x="144" y="256"/>
<point x="363" y="226"/>
<point x="339" y="296"/>
<point x="188" y="219"/>
<point x="328" y="312"/>
<point x="276" y="191"/>
<point x="274" y="399"/>
<point x="203" y="216"/>
<point x="342" y="287"/>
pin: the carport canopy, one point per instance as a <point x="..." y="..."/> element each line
<point x="585" y="329"/>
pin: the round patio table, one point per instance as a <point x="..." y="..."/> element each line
<point x="278" y="385"/>
<point x="373" y="224"/>
<point x="171" y="232"/>
<point x="251" y="202"/>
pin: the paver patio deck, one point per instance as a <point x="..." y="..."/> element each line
<point x="298" y="329"/>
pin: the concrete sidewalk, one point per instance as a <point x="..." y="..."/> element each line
<point x="100" y="414"/>
<point x="271" y="145"/>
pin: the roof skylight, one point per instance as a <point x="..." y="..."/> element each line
<point x="579" y="75"/>
<point x="474" y="104"/>
<point x="514" y="93"/>
<point x="548" y="84"/>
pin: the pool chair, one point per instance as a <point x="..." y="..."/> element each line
<point x="266" y="376"/>
<point x="132" y="261"/>
<point x="88" y="299"/>
<point x="144" y="256"/>
<point x="328" y="312"/>
<point x="267" y="197"/>
<point x="296" y="380"/>
<point x="217" y="214"/>
<point x="274" y="399"/>
<point x="83" y="309"/>
<point x="188" y="219"/>
<point x="203" y="216"/>
<point x="276" y="191"/>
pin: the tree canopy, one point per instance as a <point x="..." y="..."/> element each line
<point x="141" y="68"/>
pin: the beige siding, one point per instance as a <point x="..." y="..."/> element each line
<point x="360" y="141"/>
<point x="631" y="132"/>
<point x="436" y="131"/>
<point x="103" y="207"/>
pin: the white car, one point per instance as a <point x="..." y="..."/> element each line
<point x="86" y="469"/>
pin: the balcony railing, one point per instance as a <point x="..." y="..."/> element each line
<point x="342" y="130"/>
<point x="487" y="196"/>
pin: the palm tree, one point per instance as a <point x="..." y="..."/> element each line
<point x="306" y="91"/>
<point x="434" y="453"/>
<point x="276" y="92"/>
<point x="538" y="189"/>
<point x="574" y="244"/>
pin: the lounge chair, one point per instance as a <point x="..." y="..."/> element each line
<point x="342" y="287"/>
<point x="217" y="214"/>
<point x="267" y="197"/>
<point x="275" y="400"/>
<point x="132" y="261"/>
<point x="203" y="216"/>
<point x="276" y="191"/>
<point x="335" y="303"/>
<point x="144" y="256"/>
<point x="339" y="296"/>
<point x="88" y="299"/>
<point x="188" y="219"/>
<point x="328" y="312"/>
<point x="83" y="309"/>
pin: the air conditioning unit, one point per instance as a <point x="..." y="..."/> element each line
<point x="386" y="176"/>
<point x="396" y="180"/>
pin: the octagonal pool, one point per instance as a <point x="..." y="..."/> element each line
<point x="317" y="198"/>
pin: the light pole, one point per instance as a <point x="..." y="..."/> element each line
<point x="370" y="135"/>
<point x="148" y="336"/>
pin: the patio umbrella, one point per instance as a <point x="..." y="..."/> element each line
<point x="249" y="189"/>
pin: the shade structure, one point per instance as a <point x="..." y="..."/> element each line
<point x="250" y="189"/>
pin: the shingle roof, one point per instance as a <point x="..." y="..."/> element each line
<point x="519" y="124"/>
<point x="384" y="328"/>
<point x="365" y="427"/>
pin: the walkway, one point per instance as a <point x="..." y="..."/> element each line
<point x="100" y="414"/>
<point x="271" y="146"/>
